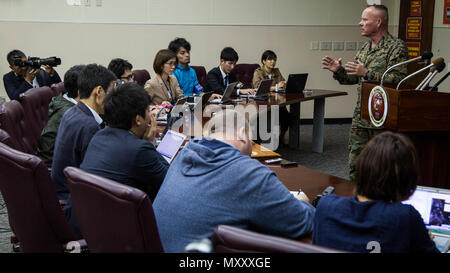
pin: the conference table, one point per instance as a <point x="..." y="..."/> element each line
<point x="294" y="101"/>
<point x="294" y="178"/>
<point x="299" y="177"/>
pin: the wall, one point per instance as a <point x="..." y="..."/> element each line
<point x="136" y="29"/>
<point x="441" y="43"/>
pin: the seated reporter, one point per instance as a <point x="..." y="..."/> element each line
<point x="56" y="109"/>
<point x="214" y="181"/>
<point x="164" y="87"/>
<point x="386" y="174"/>
<point x="123" y="150"/>
<point x="269" y="71"/>
<point x="122" y="69"/>
<point x="80" y="123"/>
<point x="22" y="78"/>
<point x="219" y="77"/>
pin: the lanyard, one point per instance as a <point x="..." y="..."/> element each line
<point x="169" y="89"/>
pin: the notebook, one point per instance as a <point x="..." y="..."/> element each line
<point x="226" y="95"/>
<point x="170" y="144"/>
<point x="433" y="204"/>
<point x="263" y="90"/>
<point x="295" y="84"/>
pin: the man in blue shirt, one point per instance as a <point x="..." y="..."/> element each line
<point x="214" y="181"/>
<point x="186" y="76"/>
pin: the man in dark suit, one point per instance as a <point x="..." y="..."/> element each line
<point x="20" y="79"/>
<point x="80" y="123"/>
<point x="219" y="77"/>
<point x="123" y="150"/>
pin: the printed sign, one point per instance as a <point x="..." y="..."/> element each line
<point x="413" y="49"/>
<point x="414" y="28"/>
<point x="447" y="12"/>
<point x="416" y="8"/>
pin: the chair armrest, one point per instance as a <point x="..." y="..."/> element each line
<point x="62" y="203"/>
<point x="79" y="246"/>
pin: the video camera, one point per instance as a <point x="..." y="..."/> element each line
<point x="36" y="62"/>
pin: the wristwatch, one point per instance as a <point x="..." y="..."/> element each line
<point x="366" y="77"/>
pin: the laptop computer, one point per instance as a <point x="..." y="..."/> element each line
<point x="205" y="98"/>
<point x="170" y="144"/>
<point x="295" y="83"/>
<point x="433" y="204"/>
<point x="226" y="95"/>
<point x="263" y="90"/>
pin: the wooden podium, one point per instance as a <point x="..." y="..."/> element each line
<point x="424" y="117"/>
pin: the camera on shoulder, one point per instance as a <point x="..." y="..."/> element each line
<point x="36" y="62"/>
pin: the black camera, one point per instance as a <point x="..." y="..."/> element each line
<point x="328" y="190"/>
<point x="36" y="62"/>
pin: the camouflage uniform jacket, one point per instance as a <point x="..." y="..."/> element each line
<point x="388" y="51"/>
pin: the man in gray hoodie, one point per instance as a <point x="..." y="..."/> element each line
<point x="214" y="181"/>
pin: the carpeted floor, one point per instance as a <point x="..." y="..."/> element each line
<point x="333" y="160"/>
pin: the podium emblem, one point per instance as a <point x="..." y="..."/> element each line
<point x="378" y="106"/>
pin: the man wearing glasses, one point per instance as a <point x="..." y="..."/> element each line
<point x="122" y="69"/>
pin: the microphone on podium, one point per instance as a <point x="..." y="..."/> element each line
<point x="423" y="56"/>
<point x="434" y="88"/>
<point x="433" y="63"/>
<point x="433" y="71"/>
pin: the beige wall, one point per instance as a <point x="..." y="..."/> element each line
<point x="137" y="29"/>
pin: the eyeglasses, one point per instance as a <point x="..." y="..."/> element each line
<point x="128" y="78"/>
<point x="172" y="63"/>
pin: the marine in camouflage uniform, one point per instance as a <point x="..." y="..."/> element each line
<point x="388" y="51"/>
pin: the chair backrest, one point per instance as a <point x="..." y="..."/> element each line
<point x="13" y="121"/>
<point x="244" y="73"/>
<point x="35" y="102"/>
<point x="200" y="71"/>
<point x="111" y="216"/>
<point x="228" y="239"/>
<point x="34" y="213"/>
<point x="58" y="88"/>
<point x="5" y="138"/>
<point x="141" y="76"/>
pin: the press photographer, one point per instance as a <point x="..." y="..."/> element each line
<point x="29" y="73"/>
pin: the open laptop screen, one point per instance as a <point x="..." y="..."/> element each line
<point x="170" y="144"/>
<point x="434" y="206"/>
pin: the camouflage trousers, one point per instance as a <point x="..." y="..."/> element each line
<point x="357" y="140"/>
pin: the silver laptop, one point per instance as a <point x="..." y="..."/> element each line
<point x="262" y="91"/>
<point x="433" y="204"/>
<point x="170" y="144"/>
<point x="226" y="95"/>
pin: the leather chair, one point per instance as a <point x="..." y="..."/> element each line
<point x="141" y="76"/>
<point x="58" y="88"/>
<point x="228" y="239"/>
<point x="34" y="214"/>
<point x="5" y="138"/>
<point x="35" y="103"/>
<point x="13" y="121"/>
<point x="111" y="216"/>
<point x="200" y="71"/>
<point x="244" y="73"/>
